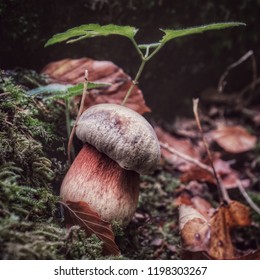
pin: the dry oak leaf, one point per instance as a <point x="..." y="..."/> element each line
<point x="184" y="146"/>
<point x="224" y="219"/>
<point x="79" y="213"/>
<point x="234" y="139"/>
<point x="71" y="71"/>
<point x="212" y="235"/>
<point x="228" y="175"/>
<point x="194" y="228"/>
<point x="197" y="174"/>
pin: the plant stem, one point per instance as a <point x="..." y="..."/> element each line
<point x="247" y="197"/>
<point x="135" y="81"/>
<point x="154" y="52"/>
<point x="84" y="94"/>
<point x="137" y="48"/>
<point x="144" y="60"/>
<point x="224" y="193"/>
<point x="67" y="113"/>
<point x="186" y="157"/>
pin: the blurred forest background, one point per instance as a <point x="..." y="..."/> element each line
<point x="181" y="71"/>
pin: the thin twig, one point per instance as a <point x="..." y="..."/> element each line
<point x="186" y="157"/>
<point x="254" y="70"/>
<point x="222" y="82"/>
<point x="250" y="86"/>
<point x="84" y="94"/>
<point x="247" y="197"/>
<point x="223" y="191"/>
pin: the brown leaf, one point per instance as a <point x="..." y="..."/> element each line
<point x="71" y="71"/>
<point x="195" y="230"/>
<point x="228" y="175"/>
<point x="234" y="139"/>
<point x="239" y="214"/>
<point x="184" y="146"/>
<point x="202" y="206"/>
<point x="79" y="213"/>
<point x="197" y="202"/>
<point x="198" y="174"/>
<point x="224" y="219"/>
<point x="221" y="246"/>
<point x="212" y="235"/>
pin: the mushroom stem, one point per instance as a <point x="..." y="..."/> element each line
<point x="109" y="189"/>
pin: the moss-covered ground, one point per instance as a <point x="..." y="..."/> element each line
<point x="33" y="163"/>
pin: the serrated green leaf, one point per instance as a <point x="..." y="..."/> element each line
<point x="60" y="91"/>
<point x="90" y="31"/>
<point x="172" y="34"/>
<point x="52" y="88"/>
<point x="78" y="89"/>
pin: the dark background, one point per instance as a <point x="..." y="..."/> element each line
<point x="181" y="70"/>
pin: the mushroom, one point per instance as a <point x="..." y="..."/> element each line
<point x="119" y="144"/>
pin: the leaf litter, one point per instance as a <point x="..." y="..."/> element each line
<point x="207" y="223"/>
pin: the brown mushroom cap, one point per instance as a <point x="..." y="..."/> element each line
<point x="121" y="134"/>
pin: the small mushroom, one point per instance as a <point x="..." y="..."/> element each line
<point x="119" y="144"/>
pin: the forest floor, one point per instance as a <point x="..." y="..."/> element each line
<point x="185" y="211"/>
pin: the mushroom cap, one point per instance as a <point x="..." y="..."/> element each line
<point x="121" y="134"/>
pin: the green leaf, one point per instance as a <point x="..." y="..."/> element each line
<point x="172" y="34"/>
<point x="78" y="89"/>
<point x="90" y="31"/>
<point x="60" y="91"/>
<point x="52" y="88"/>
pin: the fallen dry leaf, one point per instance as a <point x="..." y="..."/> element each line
<point x="71" y="71"/>
<point x="212" y="235"/>
<point x="79" y="213"/>
<point x="183" y="146"/>
<point x="202" y="205"/>
<point x="234" y="139"/>
<point x="197" y="202"/>
<point x="228" y="175"/>
<point x="224" y="219"/>
<point x="195" y="229"/>
<point x="198" y="174"/>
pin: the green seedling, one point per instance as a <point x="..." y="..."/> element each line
<point x="145" y="51"/>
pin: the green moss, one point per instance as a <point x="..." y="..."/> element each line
<point x="32" y="165"/>
<point x="255" y="196"/>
